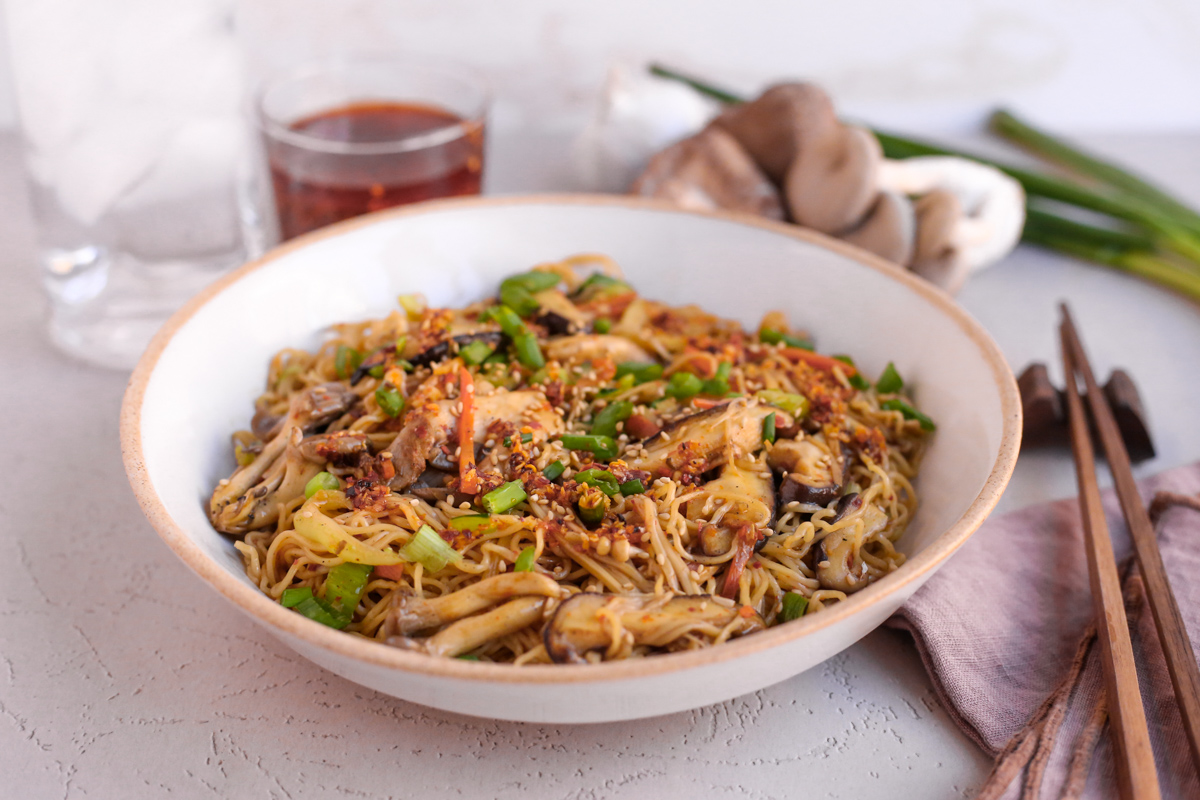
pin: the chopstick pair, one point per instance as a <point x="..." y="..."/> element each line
<point x="1136" y="775"/>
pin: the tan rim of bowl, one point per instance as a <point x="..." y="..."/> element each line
<point x="258" y="605"/>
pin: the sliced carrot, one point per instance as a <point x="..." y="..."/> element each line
<point x="818" y="361"/>
<point x="468" y="478"/>
<point x="743" y="544"/>
<point x="704" y="402"/>
<point x="392" y="572"/>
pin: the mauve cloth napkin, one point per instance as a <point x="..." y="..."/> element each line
<point x="1000" y="626"/>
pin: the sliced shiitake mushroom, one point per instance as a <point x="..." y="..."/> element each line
<point x="811" y="475"/>
<point x="698" y="442"/>
<point x="587" y="622"/>
<point x="836" y="560"/>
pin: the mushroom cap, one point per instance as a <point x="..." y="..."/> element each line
<point x="710" y="171"/>
<point x="937" y="257"/>
<point x="773" y="127"/>
<point x="888" y="230"/>
<point x="831" y="184"/>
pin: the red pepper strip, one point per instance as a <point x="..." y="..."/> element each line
<point x="744" y="541"/>
<point x="468" y="478"/>
<point x="819" y="361"/>
<point x="706" y="402"/>
<point x="392" y="572"/>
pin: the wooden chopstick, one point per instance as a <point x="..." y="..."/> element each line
<point x="1136" y="776"/>
<point x="1177" y="647"/>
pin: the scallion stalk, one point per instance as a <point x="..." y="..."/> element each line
<point x="430" y="550"/>
<point x="604" y="447"/>
<point x="504" y="498"/>
<point x="321" y="482"/>
<point x="794" y="606"/>
<point x="525" y="560"/>
<point x="554" y="471"/>
<point x="606" y="420"/>
<point x="890" y="381"/>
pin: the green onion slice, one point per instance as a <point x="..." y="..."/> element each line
<point x="529" y="353"/>
<point x="603" y="480"/>
<point x="606" y="420"/>
<point x="519" y="299"/>
<point x="318" y="611"/>
<point x="640" y="372"/>
<point x="344" y="586"/>
<point x="430" y="550"/>
<point x="470" y="522"/>
<point x="346" y="360"/>
<point x="390" y="401"/>
<point x="856" y="380"/>
<point x="504" y="498"/>
<point x="889" y="382"/>
<point x="293" y="596"/>
<point x="476" y="352"/>
<point x="604" y="447"/>
<point x="768" y="428"/>
<point x="602" y="325"/>
<point x="896" y="404"/>
<point x="794" y="404"/>
<point x="534" y="281"/>
<point x="524" y="562"/>
<point x="554" y="471"/>
<point x="634" y="486"/>
<point x="321" y="482"/>
<point x="683" y="385"/>
<point x="794" y="606"/>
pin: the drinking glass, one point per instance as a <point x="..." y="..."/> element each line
<point x="137" y="152"/>
<point x="348" y="138"/>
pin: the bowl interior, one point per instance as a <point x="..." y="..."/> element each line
<point x="207" y="376"/>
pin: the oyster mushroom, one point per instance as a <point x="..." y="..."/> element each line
<point x="832" y="182"/>
<point x="774" y="127"/>
<point x="429" y="425"/>
<point x="283" y="481"/>
<point x="755" y="505"/>
<point x="937" y="258"/>
<point x="411" y="614"/>
<point x="992" y="208"/>
<point x="709" y="171"/>
<point x="307" y="411"/>
<point x="837" y="560"/>
<point x="591" y="346"/>
<point x="698" y="442"/>
<point x="472" y="632"/>
<point x="888" y="230"/>
<point x="811" y="475"/>
<point x="589" y="622"/>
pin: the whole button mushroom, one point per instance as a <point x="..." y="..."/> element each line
<point x="710" y="171"/>
<point x="773" y="127"/>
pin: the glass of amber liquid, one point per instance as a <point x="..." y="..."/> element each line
<point x="351" y="138"/>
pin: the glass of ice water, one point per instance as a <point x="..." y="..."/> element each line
<point x="137" y="152"/>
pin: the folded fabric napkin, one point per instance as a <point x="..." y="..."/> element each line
<point x="1004" y="631"/>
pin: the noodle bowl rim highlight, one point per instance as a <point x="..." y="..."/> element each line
<point x="252" y="601"/>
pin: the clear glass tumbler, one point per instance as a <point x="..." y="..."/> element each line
<point x="348" y="138"/>
<point x="138" y="158"/>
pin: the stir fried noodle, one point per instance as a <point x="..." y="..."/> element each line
<point x="568" y="473"/>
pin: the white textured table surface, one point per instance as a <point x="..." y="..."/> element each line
<point x="123" y="676"/>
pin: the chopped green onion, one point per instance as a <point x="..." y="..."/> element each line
<point x="390" y="401"/>
<point x="344" y="586"/>
<point x="889" y="382"/>
<point x="634" y="486"/>
<point x="852" y="488"/>
<point x="528" y="351"/>
<point x="794" y="606"/>
<point x="321" y="482"/>
<point x="318" y="611"/>
<point x="718" y="385"/>
<point x="524" y="562"/>
<point x="510" y="324"/>
<point x="683" y="385"/>
<point x="534" y="281"/>
<point x="592" y="505"/>
<point x="794" y="404"/>
<point x="470" y="522"/>
<point x="476" y="352"/>
<point x="292" y="597"/>
<point x="772" y="336"/>
<point x="856" y="380"/>
<point x="377" y="371"/>
<point x="554" y="471"/>
<point x="600" y="285"/>
<point x="602" y="479"/>
<point x="896" y="404"/>
<point x="504" y="498"/>
<point x="413" y="305"/>
<point x="605" y="422"/>
<point x="602" y="446"/>
<point x="519" y="299"/>
<point x="401" y="343"/>
<point x="768" y="428"/>
<point x="525" y="437"/>
<point x="346" y="361"/>
<point x="496" y="358"/>
<point x="624" y="383"/>
<point x="602" y="325"/>
<point x="640" y="372"/>
<point x="430" y="550"/>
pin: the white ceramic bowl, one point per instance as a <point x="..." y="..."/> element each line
<point x="197" y="381"/>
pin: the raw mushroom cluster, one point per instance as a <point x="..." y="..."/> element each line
<point x="787" y="156"/>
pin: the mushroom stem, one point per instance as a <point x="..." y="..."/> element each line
<point x="411" y="614"/>
<point x="467" y="634"/>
